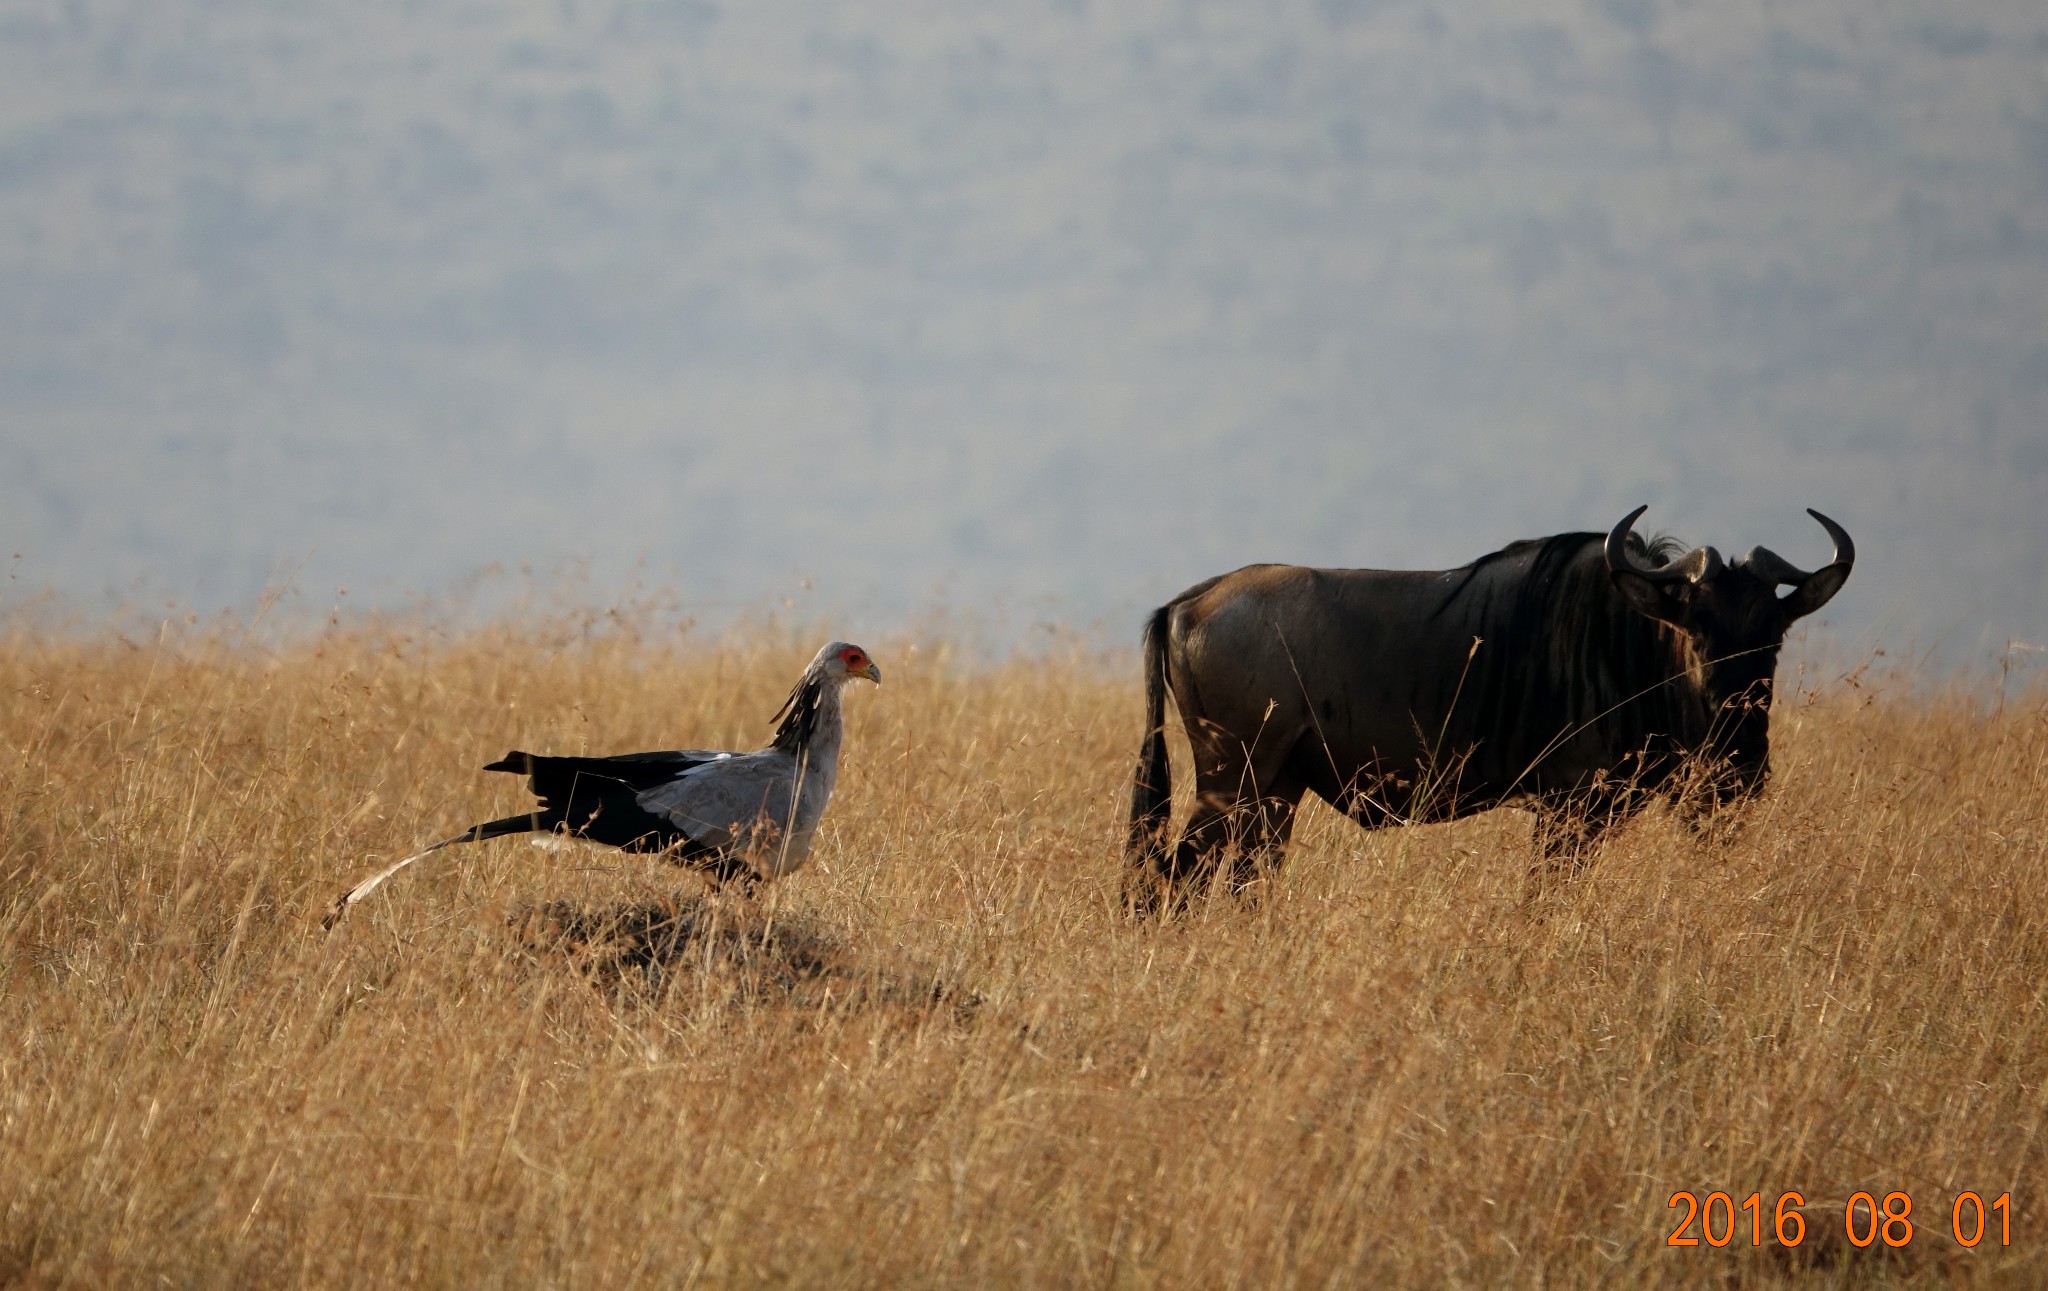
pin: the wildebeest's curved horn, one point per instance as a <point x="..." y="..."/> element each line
<point x="1845" y="548"/>
<point x="1773" y="568"/>
<point x="1697" y="564"/>
<point x="1620" y="560"/>
<point x="1819" y="587"/>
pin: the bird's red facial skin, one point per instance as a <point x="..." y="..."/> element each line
<point x="853" y="659"/>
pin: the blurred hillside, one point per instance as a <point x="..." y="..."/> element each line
<point x="1070" y="301"/>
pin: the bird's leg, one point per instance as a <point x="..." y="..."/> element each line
<point x="726" y="868"/>
<point x="747" y="883"/>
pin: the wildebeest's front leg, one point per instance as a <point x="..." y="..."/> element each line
<point x="1568" y="828"/>
<point x="1711" y="800"/>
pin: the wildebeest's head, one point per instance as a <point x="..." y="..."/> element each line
<point x="1734" y="620"/>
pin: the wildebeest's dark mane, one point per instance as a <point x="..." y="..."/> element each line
<point x="1560" y="649"/>
<point x="1662" y="549"/>
<point x="1659" y="550"/>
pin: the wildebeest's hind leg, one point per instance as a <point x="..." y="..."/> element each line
<point x="1202" y="844"/>
<point x="1243" y="816"/>
<point x="1248" y="834"/>
<point x="1263" y="827"/>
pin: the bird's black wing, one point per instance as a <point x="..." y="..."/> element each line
<point x="641" y="770"/>
<point x="598" y="798"/>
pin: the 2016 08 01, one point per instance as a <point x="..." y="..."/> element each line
<point x="1717" y="1219"/>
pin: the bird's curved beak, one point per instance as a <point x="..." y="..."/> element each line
<point x="871" y="672"/>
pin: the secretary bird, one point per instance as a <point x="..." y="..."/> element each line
<point x="738" y="817"/>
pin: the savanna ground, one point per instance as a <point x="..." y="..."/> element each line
<point x="940" y="1055"/>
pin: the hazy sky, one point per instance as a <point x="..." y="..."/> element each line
<point x="1059" y="306"/>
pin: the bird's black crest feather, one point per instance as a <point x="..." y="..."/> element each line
<point x="799" y="715"/>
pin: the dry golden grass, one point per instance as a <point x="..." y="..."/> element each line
<point x="939" y="1056"/>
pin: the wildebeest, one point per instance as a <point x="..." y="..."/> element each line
<point x="1573" y="675"/>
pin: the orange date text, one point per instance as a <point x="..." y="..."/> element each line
<point x="1719" y="1220"/>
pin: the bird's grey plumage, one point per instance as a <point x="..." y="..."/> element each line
<point x="735" y="815"/>
<point x="763" y="807"/>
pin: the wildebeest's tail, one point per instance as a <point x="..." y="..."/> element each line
<point x="1152" y="787"/>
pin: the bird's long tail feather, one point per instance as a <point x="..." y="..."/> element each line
<point x="475" y="833"/>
